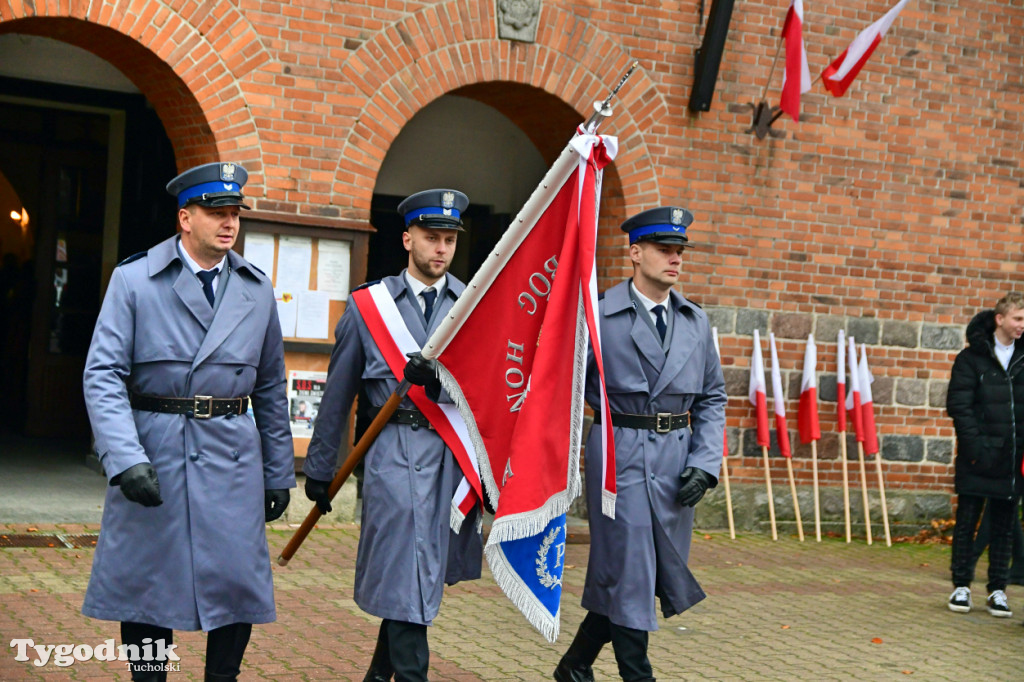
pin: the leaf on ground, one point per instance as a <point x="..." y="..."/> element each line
<point x="876" y="640"/>
<point x="785" y="627"/>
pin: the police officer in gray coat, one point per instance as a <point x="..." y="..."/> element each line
<point x="405" y="548"/>
<point x="187" y="340"/>
<point x="667" y="398"/>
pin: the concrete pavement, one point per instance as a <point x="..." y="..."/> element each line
<point x="780" y="610"/>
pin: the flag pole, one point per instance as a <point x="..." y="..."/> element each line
<point x="881" y="492"/>
<point x="817" y="498"/>
<point x="846" y="484"/>
<point x="864" y="490"/>
<point x="725" y="453"/>
<point x="354" y="457"/>
<point x="771" y="496"/>
<point x="796" y="502"/>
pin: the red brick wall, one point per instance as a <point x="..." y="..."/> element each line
<point x="894" y="212"/>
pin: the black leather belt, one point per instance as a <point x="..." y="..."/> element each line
<point x="402" y="415"/>
<point x="199" y="407"/>
<point x="662" y="422"/>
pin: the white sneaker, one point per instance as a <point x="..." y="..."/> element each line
<point x="997" y="605"/>
<point x="960" y="600"/>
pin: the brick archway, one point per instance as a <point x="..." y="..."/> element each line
<point x="186" y="63"/>
<point x="453" y="45"/>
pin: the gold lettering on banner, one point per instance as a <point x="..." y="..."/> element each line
<point x="539" y="284"/>
<point x="514" y="377"/>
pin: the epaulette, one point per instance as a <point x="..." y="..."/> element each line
<point x="694" y="302"/>
<point x="133" y="258"/>
<point x="258" y="270"/>
<point x="600" y="296"/>
<point x="366" y="284"/>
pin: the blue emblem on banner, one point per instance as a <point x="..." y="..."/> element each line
<point x="535" y="565"/>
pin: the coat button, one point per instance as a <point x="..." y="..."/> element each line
<point x="651" y="437"/>
<point x="238" y="371"/>
<point x="415" y="427"/>
<point x="194" y="457"/>
<point x="234" y="453"/>
<point x="418" y="467"/>
<point x="652" y="477"/>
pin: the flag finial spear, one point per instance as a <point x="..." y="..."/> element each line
<point x="603" y="110"/>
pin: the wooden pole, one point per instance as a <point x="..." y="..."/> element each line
<point x="771" y="496"/>
<point x="354" y="457"/>
<point x="796" y="502"/>
<point x="881" y="492"/>
<point x="864" y="491"/>
<point x="728" y="498"/>
<point x="846" y="484"/>
<point x="817" y="497"/>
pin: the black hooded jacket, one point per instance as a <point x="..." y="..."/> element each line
<point x="986" y="403"/>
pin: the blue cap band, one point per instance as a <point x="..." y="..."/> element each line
<point x="431" y="210"/>
<point x="651" y="229"/>
<point x="207" y="188"/>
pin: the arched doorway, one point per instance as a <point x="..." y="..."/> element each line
<point x="86" y="157"/>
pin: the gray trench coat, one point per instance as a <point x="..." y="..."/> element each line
<point x="643" y="552"/>
<point x="199" y="560"/>
<point x="405" y="548"/>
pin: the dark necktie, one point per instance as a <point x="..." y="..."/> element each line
<point x="429" y="296"/>
<point x="206" y="277"/>
<point x="659" y="323"/>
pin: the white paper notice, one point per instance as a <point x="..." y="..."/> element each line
<point x="294" y="255"/>
<point x="259" y="250"/>
<point x="314" y="314"/>
<point x="287" y="311"/>
<point x="332" y="275"/>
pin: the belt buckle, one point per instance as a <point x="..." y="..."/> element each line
<point x="197" y="401"/>
<point x="663" y="426"/>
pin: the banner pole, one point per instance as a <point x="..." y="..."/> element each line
<point x="354" y="457"/>
<point x="771" y="496"/>
<point x="846" y="484"/>
<point x="796" y="502"/>
<point x="817" y="496"/>
<point x="881" y="491"/>
<point x="864" y="491"/>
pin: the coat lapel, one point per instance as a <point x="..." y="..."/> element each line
<point x="235" y="307"/>
<point x="684" y="341"/>
<point x="190" y="291"/>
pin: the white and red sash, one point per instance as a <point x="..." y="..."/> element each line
<point x="394" y="340"/>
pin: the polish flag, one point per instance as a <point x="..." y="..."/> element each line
<point x="840" y="73"/>
<point x="759" y="393"/>
<point x="807" y="415"/>
<point x="866" y="408"/>
<point x="841" y="382"/>
<point x="796" y="79"/>
<point x="779" y="400"/>
<point x="853" y="405"/>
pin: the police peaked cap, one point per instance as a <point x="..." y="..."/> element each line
<point x="440" y="209"/>
<point x="665" y="225"/>
<point x="211" y="185"/>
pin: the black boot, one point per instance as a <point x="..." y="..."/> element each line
<point x="575" y="665"/>
<point x="631" y="654"/>
<point x="380" y="665"/>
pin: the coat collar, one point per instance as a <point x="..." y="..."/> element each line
<point x="161" y="256"/>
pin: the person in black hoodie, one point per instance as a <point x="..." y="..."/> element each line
<point x="986" y="401"/>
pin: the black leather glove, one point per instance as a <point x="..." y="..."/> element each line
<point x="419" y="370"/>
<point x="275" y="502"/>
<point x="694" y="483"/>
<point x="139" y="484"/>
<point x="317" y="492"/>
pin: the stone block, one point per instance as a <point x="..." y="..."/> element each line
<point x="939" y="450"/>
<point x="737" y="381"/>
<point x="826" y="328"/>
<point x="792" y="326"/>
<point x="748" y="320"/>
<point x="896" y="333"/>
<point x="722" y="318"/>
<point x="942" y="336"/>
<point x="937" y="392"/>
<point x="903" y="448"/>
<point x="911" y="391"/>
<point x="863" y="330"/>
